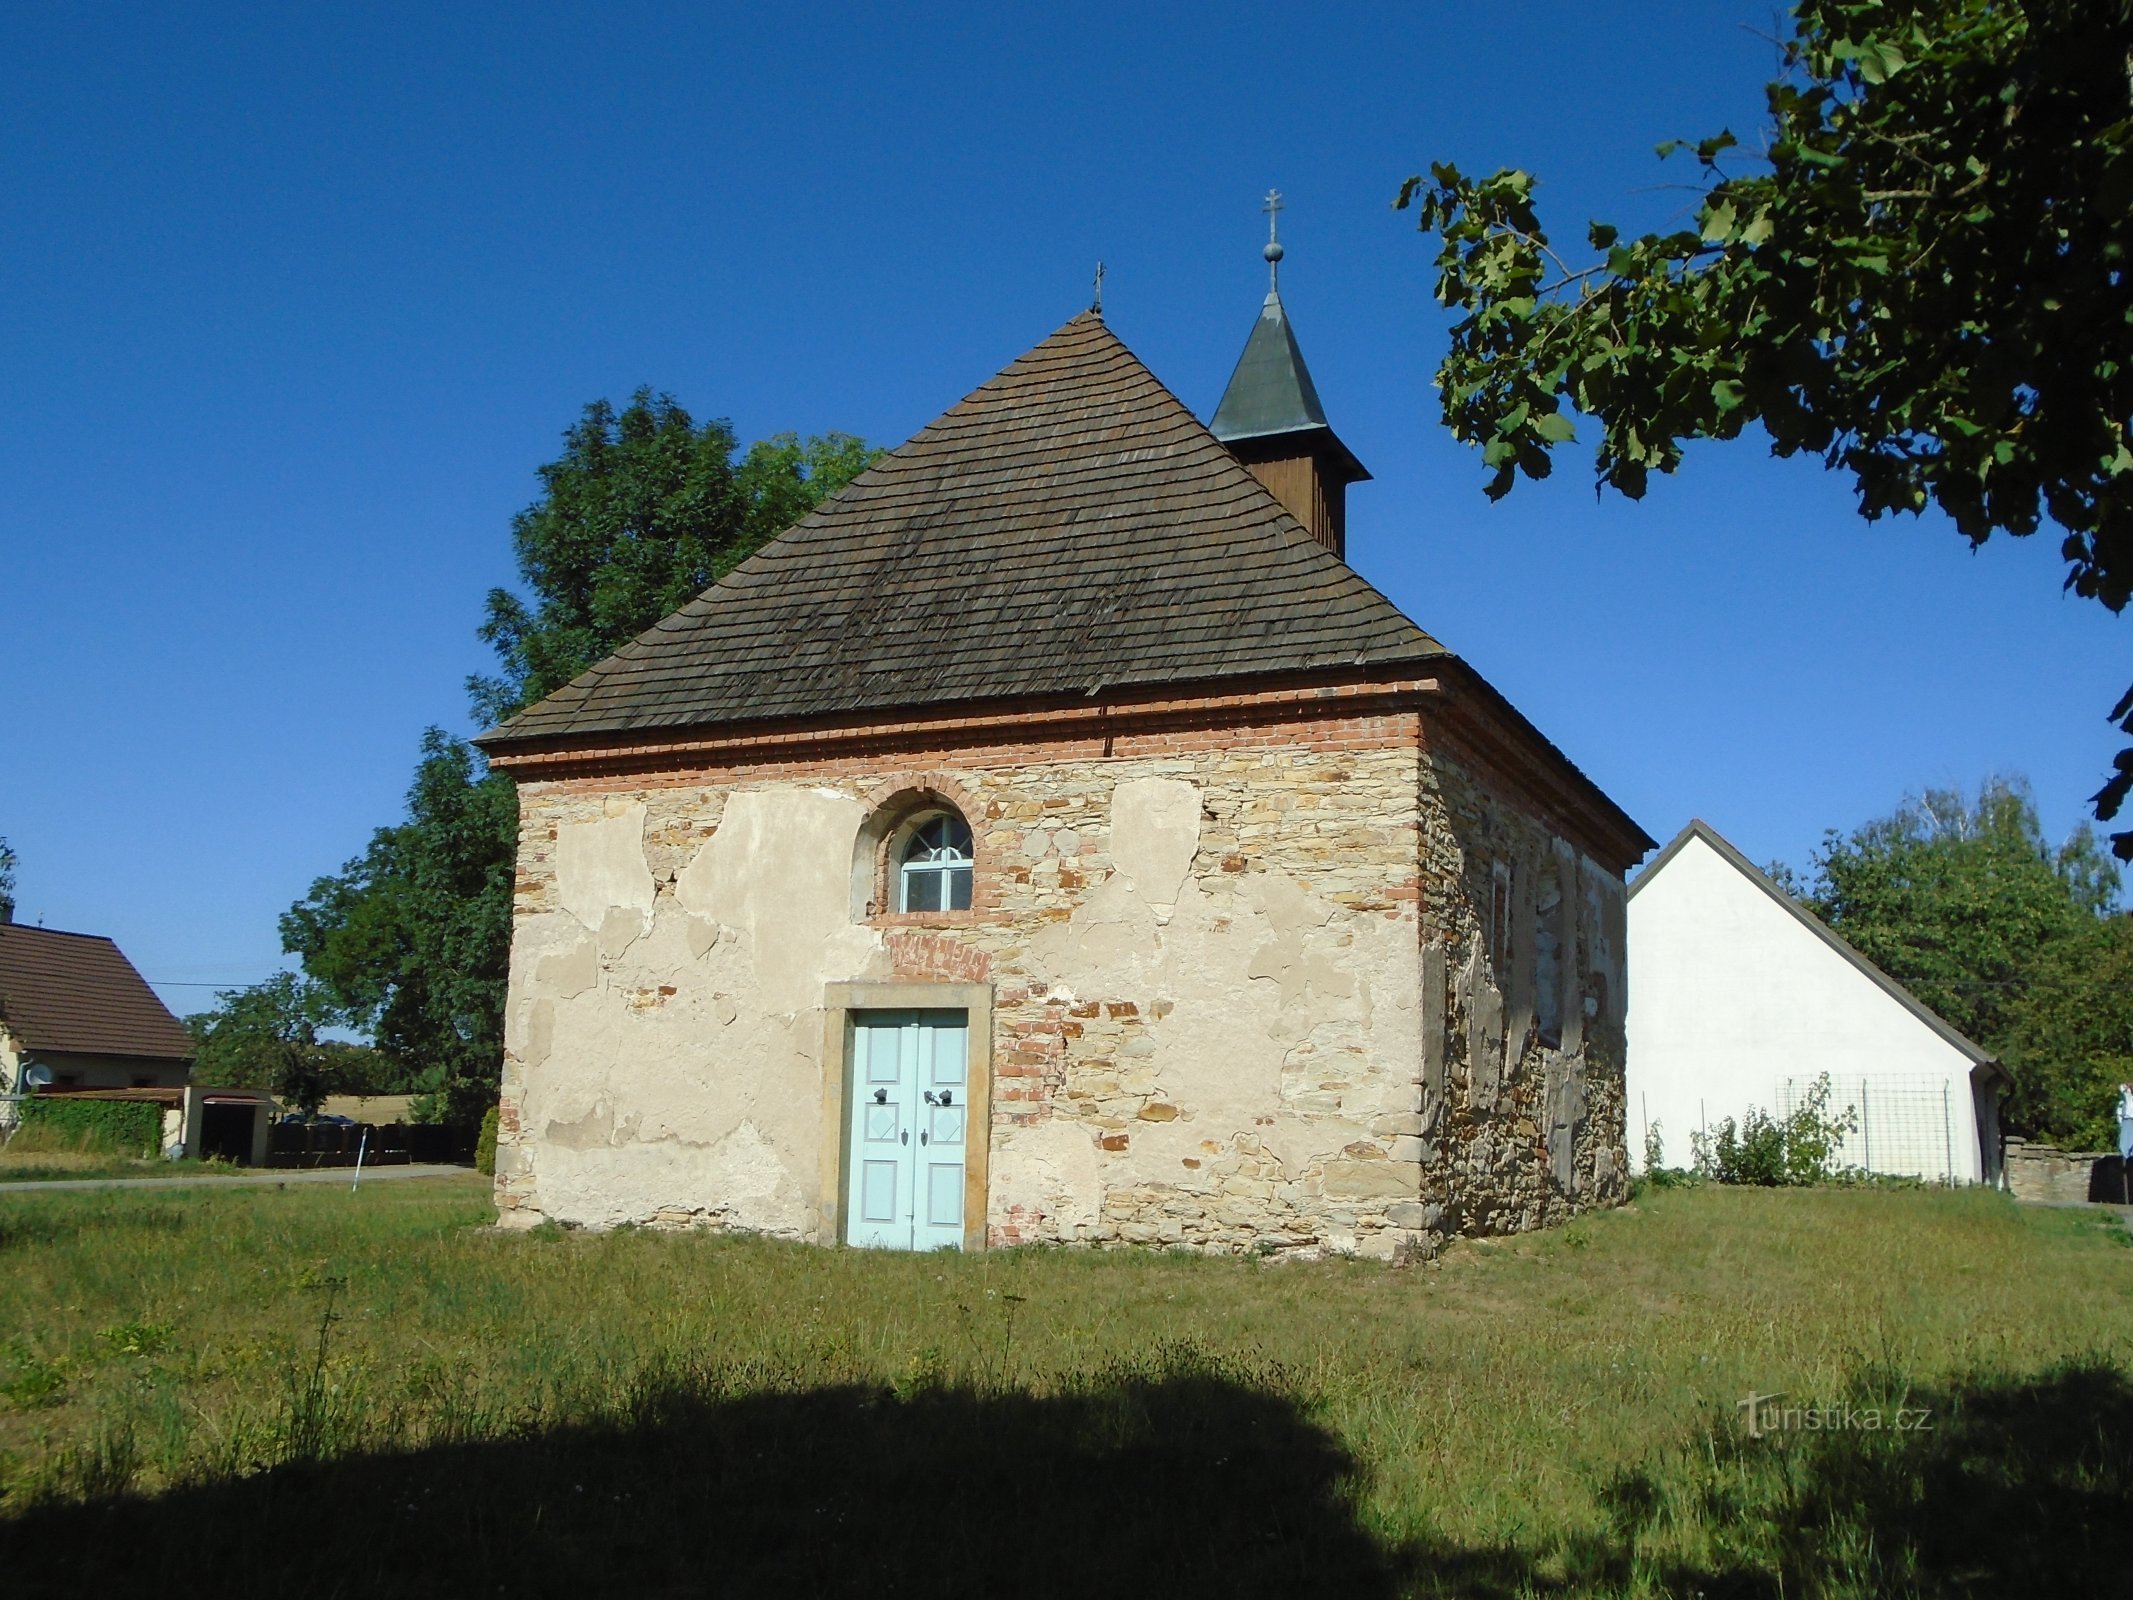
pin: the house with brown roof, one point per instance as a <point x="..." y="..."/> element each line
<point x="1053" y="838"/>
<point x="72" y="1004"/>
<point x="77" y="1019"/>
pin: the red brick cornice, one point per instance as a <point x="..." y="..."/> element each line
<point x="1004" y="723"/>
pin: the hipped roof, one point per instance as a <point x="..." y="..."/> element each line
<point x="1068" y="527"/>
<point x="77" y="994"/>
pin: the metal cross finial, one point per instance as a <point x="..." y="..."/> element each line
<point x="1273" y="251"/>
<point x="1098" y="305"/>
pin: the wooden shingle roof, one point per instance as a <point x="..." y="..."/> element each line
<point x="77" y="994"/>
<point x="1068" y="527"/>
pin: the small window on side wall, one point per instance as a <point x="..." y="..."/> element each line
<point x="1499" y="929"/>
<point x="933" y="866"/>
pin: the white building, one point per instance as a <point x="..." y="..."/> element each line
<point x="1740" y="997"/>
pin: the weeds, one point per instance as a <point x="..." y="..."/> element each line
<point x="1798" y="1148"/>
<point x="137" y="1337"/>
<point x="316" y="1413"/>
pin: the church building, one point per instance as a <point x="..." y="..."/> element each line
<point x="1052" y="838"/>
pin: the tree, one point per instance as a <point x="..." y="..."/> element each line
<point x="2069" y="1041"/>
<point x="1967" y="905"/>
<point x="1924" y="281"/>
<point x="266" y="1037"/>
<point x="643" y="510"/>
<point x="7" y="882"/>
<point x="411" y="941"/>
<point x="642" y="513"/>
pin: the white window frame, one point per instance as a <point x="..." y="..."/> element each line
<point x="940" y="862"/>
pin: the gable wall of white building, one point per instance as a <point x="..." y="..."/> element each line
<point x="1734" y="997"/>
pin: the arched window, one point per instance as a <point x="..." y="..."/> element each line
<point x="933" y="864"/>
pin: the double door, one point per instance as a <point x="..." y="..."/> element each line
<point x="910" y="1113"/>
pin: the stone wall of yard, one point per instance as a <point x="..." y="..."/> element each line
<point x="2044" y="1175"/>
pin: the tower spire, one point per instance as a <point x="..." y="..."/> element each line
<point x="1273" y="251"/>
<point x="1271" y="419"/>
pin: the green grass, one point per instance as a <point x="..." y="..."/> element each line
<point x="422" y="1404"/>
<point x="35" y="1152"/>
<point x="38" y="1166"/>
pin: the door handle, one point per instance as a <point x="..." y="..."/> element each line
<point x="905" y="1136"/>
<point x="922" y="1138"/>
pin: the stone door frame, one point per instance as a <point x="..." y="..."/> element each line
<point x="840" y="1000"/>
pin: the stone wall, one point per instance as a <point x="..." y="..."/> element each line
<point x="1212" y="955"/>
<point x="1523" y="1116"/>
<point x="2043" y="1175"/>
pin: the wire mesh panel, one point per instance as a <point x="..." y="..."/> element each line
<point x="1905" y="1124"/>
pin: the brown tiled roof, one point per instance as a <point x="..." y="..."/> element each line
<point x="77" y="994"/>
<point x="1068" y="527"/>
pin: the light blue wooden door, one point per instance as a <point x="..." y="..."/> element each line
<point x="908" y="1121"/>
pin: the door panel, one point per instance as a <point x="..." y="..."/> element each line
<point x="904" y="1149"/>
<point x="877" y="1192"/>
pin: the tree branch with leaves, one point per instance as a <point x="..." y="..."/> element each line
<point x="1924" y="281"/>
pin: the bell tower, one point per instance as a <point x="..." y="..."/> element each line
<point x="1272" y="421"/>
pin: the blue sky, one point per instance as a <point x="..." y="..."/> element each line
<point x="294" y="300"/>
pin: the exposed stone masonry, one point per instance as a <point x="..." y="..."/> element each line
<point x="1244" y="991"/>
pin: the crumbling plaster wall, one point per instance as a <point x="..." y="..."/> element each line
<point x="1523" y="1108"/>
<point x="10" y="1078"/>
<point x="1235" y="991"/>
<point x="1207" y="1024"/>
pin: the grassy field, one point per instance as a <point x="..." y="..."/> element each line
<point x="34" y="1153"/>
<point x="32" y="1165"/>
<point x="306" y="1391"/>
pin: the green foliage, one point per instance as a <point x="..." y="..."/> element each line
<point x="643" y="512"/>
<point x="2069" y="1038"/>
<point x="2008" y="939"/>
<point x="137" y="1336"/>
<point x="266" y="1037"/>
<point x="485" y="1145"/>
<point x="1657" y="1175"/>
<point x="411" y="940"/>
<point x="1923" y="282"/>
<point x="1799" y="1148"/>
<point x="7" y="882"/>
<point x="1954" y="898"/>
<point x="118" y="1127"/>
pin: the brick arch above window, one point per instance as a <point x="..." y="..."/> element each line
<point x="894" y="804"/>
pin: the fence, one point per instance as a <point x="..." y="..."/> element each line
<point x="1907" y="1126"/>
<point x="335" y="1144"/>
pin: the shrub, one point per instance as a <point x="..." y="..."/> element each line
<point x="1656" y="1175"/>
<point x="1762" y="1149"/>
<point x="121" y="1127"/>
<point x="485" y="1144"/>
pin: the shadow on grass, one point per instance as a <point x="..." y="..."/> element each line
<point x="1995" y="1487"/>
<point x="1173" y="1483"/>
<point x="1169" y="1480"/>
